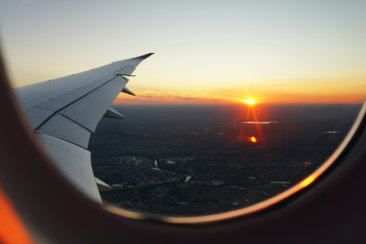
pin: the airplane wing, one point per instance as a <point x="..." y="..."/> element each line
<point x="65" y="111"/>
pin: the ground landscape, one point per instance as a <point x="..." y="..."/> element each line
<point x="201" y="159"/>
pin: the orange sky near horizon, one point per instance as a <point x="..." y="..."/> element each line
<point x="166" y="97"/>
<point x="327" y="91"/>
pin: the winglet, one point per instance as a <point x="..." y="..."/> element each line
<point x="144" y="56"/>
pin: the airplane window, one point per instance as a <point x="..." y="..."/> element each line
<point x="241" y="102"/>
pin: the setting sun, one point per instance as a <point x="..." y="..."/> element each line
<point x="249" y="101"/>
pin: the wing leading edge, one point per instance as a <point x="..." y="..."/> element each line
<point x="65" y="111"/>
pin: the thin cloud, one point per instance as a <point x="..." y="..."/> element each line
<point x="168" y="97"/>
<point x="234" y="96"/>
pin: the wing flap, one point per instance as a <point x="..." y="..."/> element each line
<point x="61" y="127"/>
<point x="73" y="162"/>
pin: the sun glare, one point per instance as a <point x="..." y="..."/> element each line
<point x="249" y="101"/>
<point x="307" y="181"/>
<point x="253" y="139"/>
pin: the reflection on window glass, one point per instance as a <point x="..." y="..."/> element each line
<point x="201" y="159"/>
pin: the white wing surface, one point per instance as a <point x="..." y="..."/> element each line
<point x="65" y="111"/>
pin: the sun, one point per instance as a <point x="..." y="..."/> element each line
<point x="249" y="101"/>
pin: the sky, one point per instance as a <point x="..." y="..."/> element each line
<point x="284" y="51"/>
